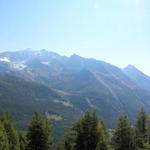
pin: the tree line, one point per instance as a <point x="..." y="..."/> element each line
<point x="87" y="133"/>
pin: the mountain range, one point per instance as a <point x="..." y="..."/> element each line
<point x="62" y="88"/>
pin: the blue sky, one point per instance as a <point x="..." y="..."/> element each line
<point x="116" y="31"/>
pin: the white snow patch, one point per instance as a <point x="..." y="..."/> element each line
<point x="19" y="66"/>
<point x="5" y="59"/>
<point x="45" y="63"/>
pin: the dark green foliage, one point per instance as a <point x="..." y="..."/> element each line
<point x="87" y="134"/>
<point x="23" y="140"/>
<point x="83" y="130"/>
<point x="39" y="133"/>
<point x="148" y="130"/>
<point x="12" y="133"/>
<point x="47" y="132"/>
<point x="60" y="146"/>
<point x="103" y="143"/>
<point x="69" y="139"/>
<point x="141" y="129"/>
<point x="123" y="138"/>
<point x="141" y="122"/>
<point x="3" y="138"/>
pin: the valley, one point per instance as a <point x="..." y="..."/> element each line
<point x="63" y="88"/>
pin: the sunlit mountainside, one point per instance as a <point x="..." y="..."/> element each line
<point x="62" y="88"/>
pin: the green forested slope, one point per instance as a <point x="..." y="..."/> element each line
<point x="21" y="98"/>
<point x="83" y="83"/>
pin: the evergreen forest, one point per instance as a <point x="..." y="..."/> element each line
<point x="87" y="133"/>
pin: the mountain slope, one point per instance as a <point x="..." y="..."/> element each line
<point x="135" y="74"/>
<point x="84" y="83"/>
<point x="21" y="98"/>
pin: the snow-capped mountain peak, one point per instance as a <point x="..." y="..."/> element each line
<point x="5" y="59"/>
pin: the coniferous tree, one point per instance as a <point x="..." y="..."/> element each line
<point x="48" y="137"/>
<point x="148" y="131"/>
<point x="22" y="140"/>
<point x="99" y="133"/>
<point x="141" y="122"/>
<point x="89" y="133"/>
<point x="103" y="142"/>
<point x="141" y="129"/>
<point x="83" y="129"/>
<point x="95" y="131"/>
<point x="69" y="139"/>
<point x="123" y="138"/>
<point x="39" y="133"/>
<point x="3" y="138"/>
<point x="12" y="134"/>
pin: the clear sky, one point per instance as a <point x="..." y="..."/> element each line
<point x="116" y="31"/>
